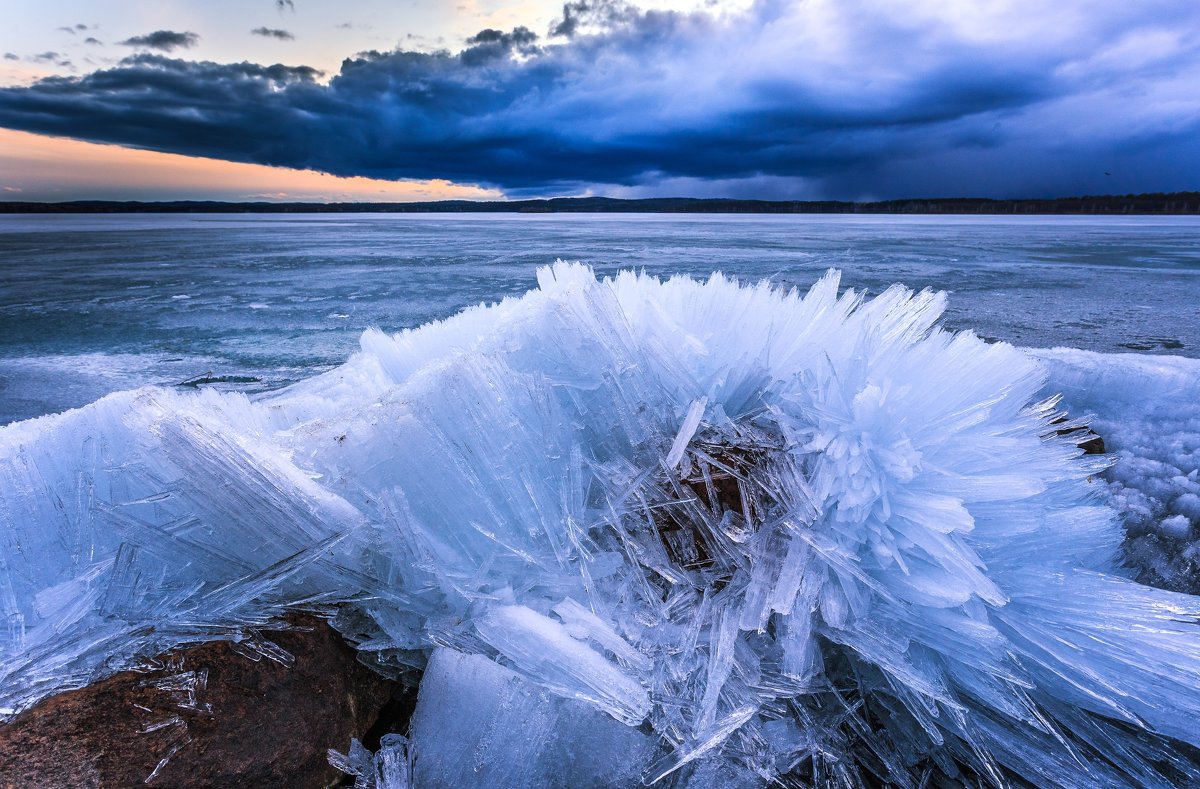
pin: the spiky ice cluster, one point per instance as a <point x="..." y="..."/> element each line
<point x="692" y="533"/>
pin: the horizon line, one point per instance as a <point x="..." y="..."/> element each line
<point x="1174" y="203"/>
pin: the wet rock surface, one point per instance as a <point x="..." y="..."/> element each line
<point x="261" y="713"/>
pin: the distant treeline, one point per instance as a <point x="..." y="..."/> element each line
<point x="1174" y="203"/>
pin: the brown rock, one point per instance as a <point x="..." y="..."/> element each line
<point x="215" y="714"/>
<point x="1083" y="437"/>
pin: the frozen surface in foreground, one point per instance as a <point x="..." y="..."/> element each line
<point x="1147" y="408"/>
<point x="686" y="532"/>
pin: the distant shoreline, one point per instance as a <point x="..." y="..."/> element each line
<point x="1177" y="203"/>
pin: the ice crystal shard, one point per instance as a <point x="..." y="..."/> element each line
<point x="755" y="534"/>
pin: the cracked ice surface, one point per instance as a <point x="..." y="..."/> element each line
<point x="688" y="532"/>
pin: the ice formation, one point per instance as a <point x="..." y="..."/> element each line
<point x="1148" y="410"/>
<point x="679" y="533"/>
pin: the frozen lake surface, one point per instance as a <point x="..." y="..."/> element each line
<point x="95" y="304"/>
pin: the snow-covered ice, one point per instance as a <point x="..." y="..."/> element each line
<point x="1147" y="408"/>
<point x="684" y="532"/>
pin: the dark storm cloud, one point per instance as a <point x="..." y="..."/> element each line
<point x="165" y="40"/>
<point x="622" y="99"/>
<point x="519" y="37"/>
<point x="93" y="41"/>
<point x="604" y="14"/>
<point x="11" y="56"/>
<point x="270" y="32"/>
<point x="489" y="44"/>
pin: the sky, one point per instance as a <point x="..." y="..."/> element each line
<point x="488" y="99"/>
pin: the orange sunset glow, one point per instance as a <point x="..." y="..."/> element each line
<point x="37" y="167"/>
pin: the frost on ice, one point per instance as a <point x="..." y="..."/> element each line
<point x="681" y="533"/>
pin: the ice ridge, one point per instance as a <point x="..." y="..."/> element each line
<point x="732" y="535"/>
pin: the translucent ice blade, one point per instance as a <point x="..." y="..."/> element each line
<point x="686" y="431"/>
<point x="543" y="650"/>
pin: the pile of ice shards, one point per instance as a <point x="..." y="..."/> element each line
<point x="681" y="533"/>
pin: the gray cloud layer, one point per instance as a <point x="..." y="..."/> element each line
<point x="271" y="32"/>
<point x="165" y="40"/>
<point x="849" y="99"/>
